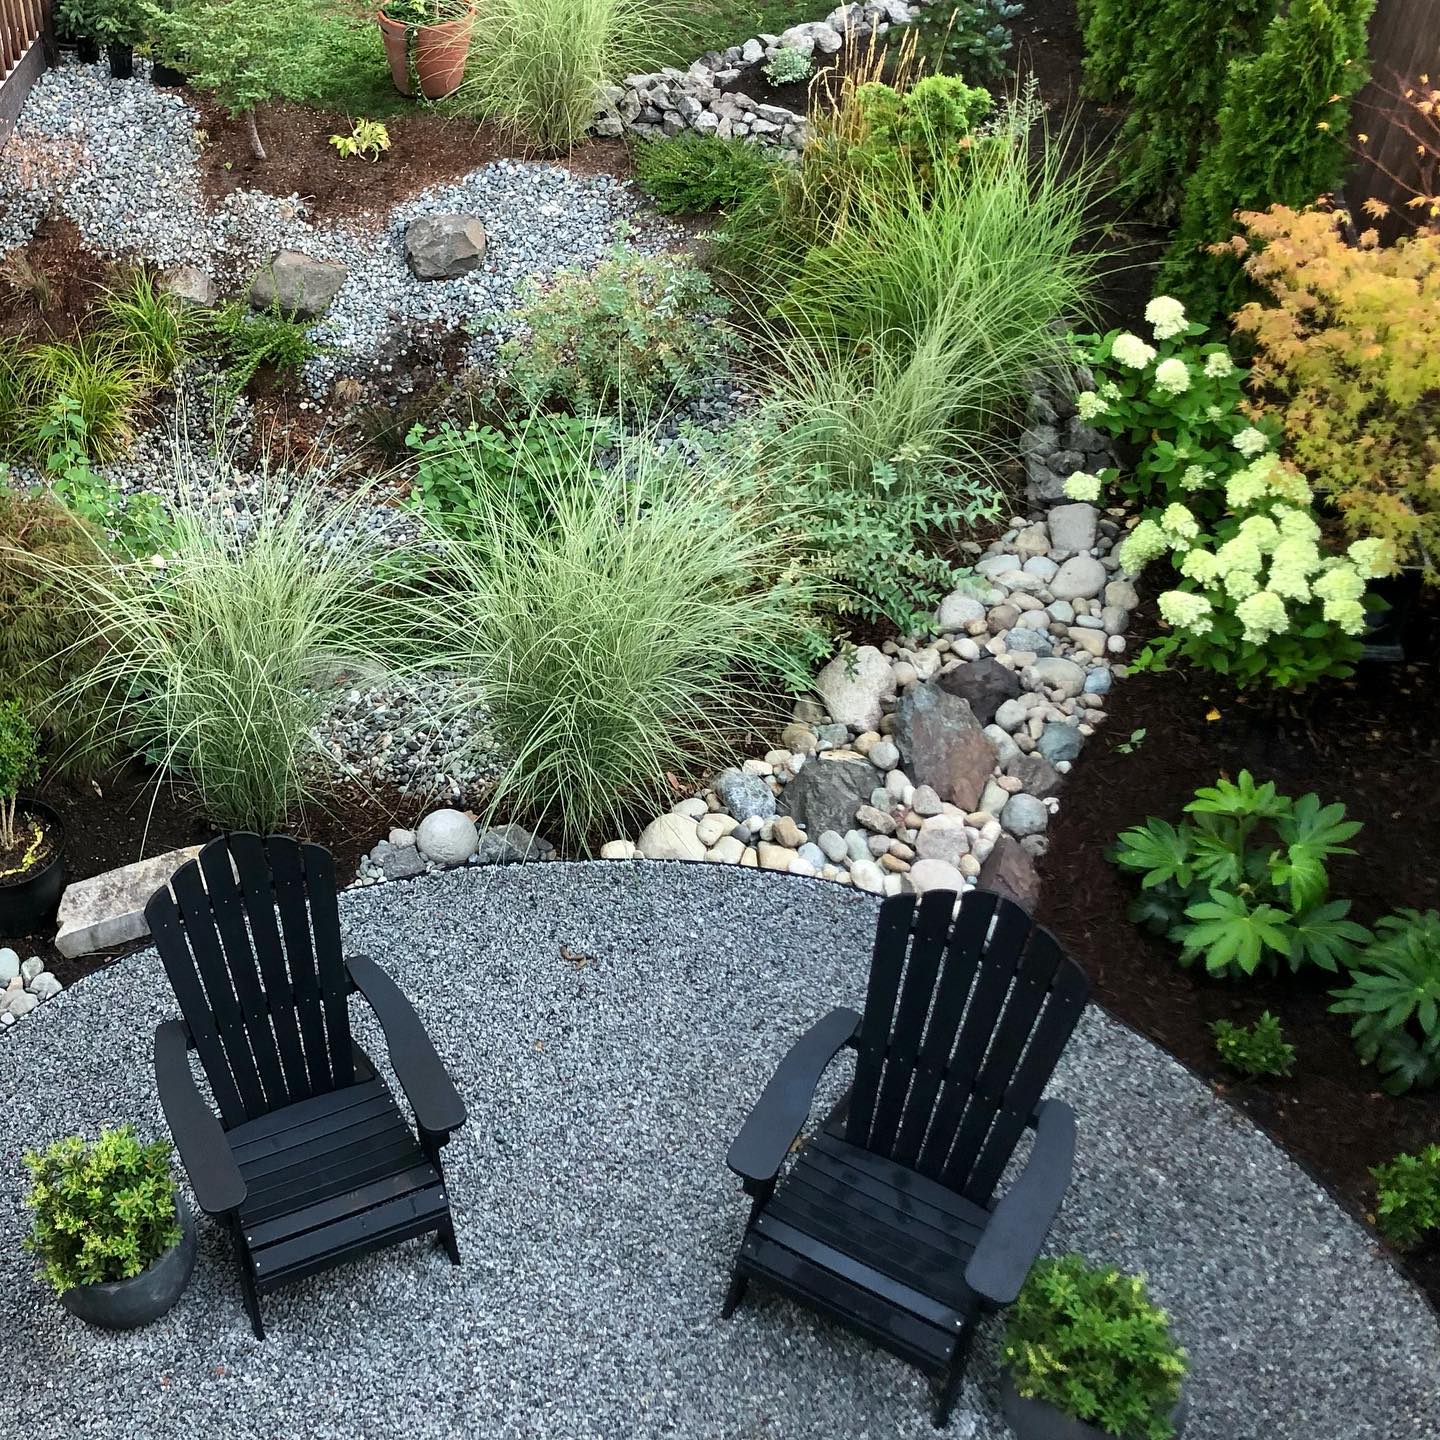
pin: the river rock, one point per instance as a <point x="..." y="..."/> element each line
<point x="1056" y="673"/>
<point x="448" y="837"/>
<point x="1072" y="527"/>
<point x="926" y="875"/>
<point x="853" y="687"/>
<point x="1024" y="815"/>
<point x="670" y="837"/>
<point x="745" y="796"/>
<point x="943" y="743"/>
<point x="826" y="794"/>
<point x="984" y="683"/>
<point x="1081" y="577"/>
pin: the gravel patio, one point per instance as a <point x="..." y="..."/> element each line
<point x="608" y="1026"/>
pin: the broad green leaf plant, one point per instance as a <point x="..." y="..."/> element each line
<point x="1244" y="884"/>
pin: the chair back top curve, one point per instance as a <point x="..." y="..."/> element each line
<point x="964" y="1023"/>
<point x="249" y="932"/>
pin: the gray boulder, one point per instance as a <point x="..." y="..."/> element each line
<point x="297" y="284"/>
<point x="1082" y="577"/>
<point x="1009" y="870"/>
<point x="853" y="687"/>
<point x="1072" y="527"/>
<point x="448" y="837"/>
<point x="746" y="797"/>
<point x="943" y="744"/>
<point x="1038" y="776"/>
<point x="826" y="794"/>
<point x="509" y="845"/>
<point x="1024" y="815"/>
<point x="188" y="283"/>
<point x="985" y="683"/>
<point x="1059" y="742"/>
<point x="442" y="247"/>
<point x="402" y="863"/>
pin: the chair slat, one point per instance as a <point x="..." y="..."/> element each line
<point x="225" y="1009"/>
<point x="288" y="877"/>
<point x="961" y="963"/>
<point x="227" y="907"/>
<point x="329" y="961"/>
<point x="892" y="938"/>
<point x="253" y="868"/>
<point x="162" y="915"/>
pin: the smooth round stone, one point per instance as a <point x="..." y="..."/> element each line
<point x="867" y="875"/>
<point x="1024" y="815"/>
<point x="885" y="755"/>
<point x="1080" y="578"/>
<point x="1098" y="681"/>
<point x="967" y="649"/>
<point x="618" y="850"/>
<point x="670" y="837"/>
<point x="833" y="844"/>
<point x="957" y="610"/>
<point x="1025" y="640"/>
<point x="448" y="837"/>
<point x="695" y="808"/>
<point x="1055" y="673"/>
<point x="813" y="856"/>
<point x="9" y="966"/>
<point x="927" y="875"/>
<point x="1059" y="742"/>
<point x="727" y="850"/>
<point x="1041" y="566"/>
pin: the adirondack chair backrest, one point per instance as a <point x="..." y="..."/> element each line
<point x="963" y="1025"/>
<point x="250" y="935"/>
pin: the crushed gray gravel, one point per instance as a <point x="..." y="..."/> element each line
<point x="597" y="1219"/>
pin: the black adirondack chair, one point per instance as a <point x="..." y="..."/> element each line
<point x="310" y="1161"/>
<point x="885" y="1218"/>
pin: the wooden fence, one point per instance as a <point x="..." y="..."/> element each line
<point x="1404" y="45"/>
<point x="26" y="42"/>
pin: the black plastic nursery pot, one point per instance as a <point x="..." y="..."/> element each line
<point x="122" y="61"/>
<point x="166" y="77"/>
<point x="28" y="904"/>
<point x="88" y="51"/>
<point x="1037" y="1420"/>
<point x="1395" y="633"/>
<point x="143" y="1298"/>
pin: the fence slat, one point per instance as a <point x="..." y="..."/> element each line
<point x="23" y="24"/>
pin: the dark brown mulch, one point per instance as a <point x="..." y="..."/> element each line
<point x="48" y="284"/>
<point x="119" y="818"/>
<point x="1372" y="743"/>
<point x="426" y="148"/>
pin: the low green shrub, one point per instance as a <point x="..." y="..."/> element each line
<point x="1254" y="1050"/>
<point x="246" y="341"/>
<point x="104" y="1211"/>
<point x="622" y="638"/>
<point x="788" y="66"/>
<point x="1245" y="882"/>
<point x="214" y="667"/>
<point x="1394" y="996"/>
<point x="694" y="173"/>
<point x="971" y="38"/>
<point x="635" y="333"/>
<point x="1087" y="1340"/>
<point x="19" y="764"/>
<point x="1407" y="1205"/>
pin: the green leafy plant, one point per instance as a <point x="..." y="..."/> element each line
<point x="150" y="324"/>
<point x="538" y="67"/>
<point x="638" y="331"/>
<point x="367" y="138"/>
<point x="788" y="66"/>
<point x="928" y="124"/>
<point x="117" y="22"/>
<point x="18" y="765"/>
<point x="1394" y="996"/>
<point x="1407" y="1206"/>
<point x="76" y="19"/>
<point x="971" y="38"/>
<point x="1245" y="883"/>
<point x="623" y="635"/>
<point x="247" y="341"/>
<point x="1254" y="1050"/>
<point x="95" y="374"/>
<point x="694" y="173"/>
<point x="215" y="665"/>
<point x="104" y="1210"/>
<point x="1133" y="742"/>
<point x="1087" y="1340"/>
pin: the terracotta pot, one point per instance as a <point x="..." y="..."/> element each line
<point x="440" y="54"/>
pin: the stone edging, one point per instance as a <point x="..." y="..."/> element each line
<point x="670" y="101"/>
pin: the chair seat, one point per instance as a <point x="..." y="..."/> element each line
<point x="868" y="1240"/>
<point x="335" y="1175"/>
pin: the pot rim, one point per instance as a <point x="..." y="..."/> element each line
<point x="466" y="19"/>
<point x="28" y="803"/>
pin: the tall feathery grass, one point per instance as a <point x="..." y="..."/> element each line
<point x="538" y="67"/>
<point x="215" y="666"/>
<point x="625" y="634"/>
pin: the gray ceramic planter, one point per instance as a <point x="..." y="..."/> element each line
<point x="1035" y="1420"/>
<point x="128" y="1304"/>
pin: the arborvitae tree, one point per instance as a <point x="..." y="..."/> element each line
<point x="1281" y="141"/>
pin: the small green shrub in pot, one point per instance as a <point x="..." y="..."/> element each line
<point x="1407" y="1204"/>
<point x="1394" y="996"/>
<point x="1254" y="1050"/>
<point x="113" y="1238"/>
<point x="1086" y="1341"/>
<point x="635" y="333"/>
<point x="1244" y="883"/>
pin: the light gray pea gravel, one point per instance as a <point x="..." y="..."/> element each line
<point x="597" y="1219"/>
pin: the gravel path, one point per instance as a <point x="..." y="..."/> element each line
<point x="597" y="1219"/>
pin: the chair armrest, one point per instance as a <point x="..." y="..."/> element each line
<point x="199" y="1137"/>
<point x="429" y="1089"/>
<point x="1020" y="1222"/>
<point x="780" y="1113"/>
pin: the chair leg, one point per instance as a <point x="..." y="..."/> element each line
<point x="447" y="1238"/>
<point x="739" y="1284"/>
<point x="247" y="1281"/>
<point x="950" y="1388"/>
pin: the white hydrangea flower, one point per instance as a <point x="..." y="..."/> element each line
<point x="1218" y="365"/>
<point x="1196" y="477"/>
<point x="1250" y="441"/>
<point x="1090" y="406"/>
<point x="1178" y="521"/>
<point x="1166" y="316"/>
<point x="1372" y="558"/>
<point x="1172" y="376"/>
<point x="1109" y="390"/>
<point x="1263" y="614"/>
<point x="1214" y="412"/>
<point x="1186" y="611"/>
<point x="1083" y="486"/>
<point x="1131" y="351"/>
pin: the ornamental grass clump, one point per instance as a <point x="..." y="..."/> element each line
<point x="104" y="1210"/>
<point x="212" y="659"/>
<point x="625" y="635"/>
<point x="1088" y="1341"/>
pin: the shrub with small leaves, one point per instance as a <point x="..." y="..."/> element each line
<point x="1394" y="995"/>
<point x="17" y="764"/>
<point x="104" y="1210"/>
<point x="1407" y="1203"/>
<point x="638" y="331"/>
<point x="1087" y="1340"/>
<point x="788" y="66"/>
<point x="1255" y="1050"/>
<point x="694" y="173"/>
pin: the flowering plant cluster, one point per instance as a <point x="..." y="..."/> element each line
<point x="1258" y="596"/>
<point x="1180" y="399"/>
